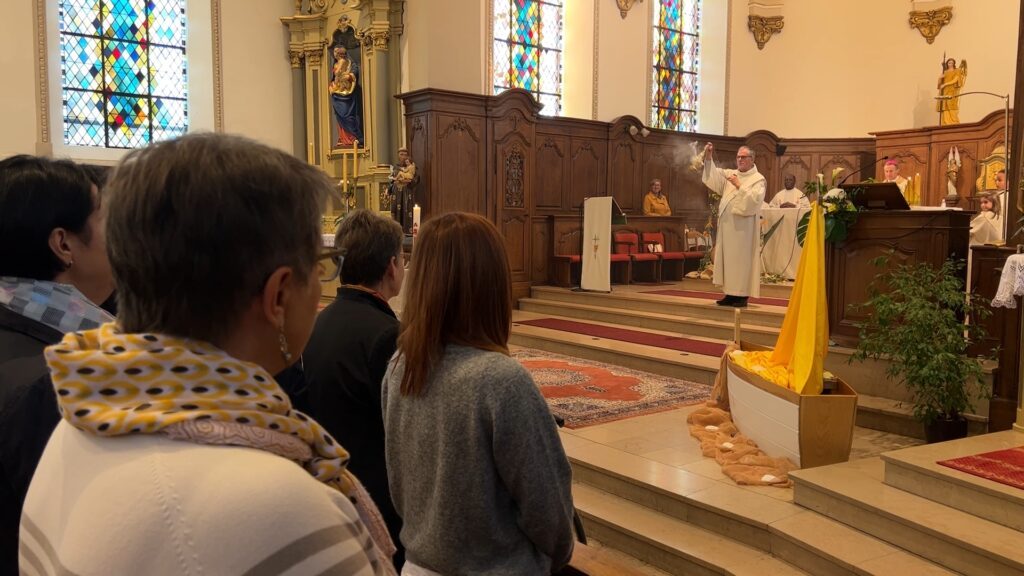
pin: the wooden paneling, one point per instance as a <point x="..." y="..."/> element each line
<point x="458" y="152"/>
<point x="625" y="180"/>
<point x="1003" y="328"/>
<point x="551" y="175"/>
<point x="905" y="237"/>
<point x="588" y="162"/>
<point x="924" y="151"/>
<point x="496" y="156"/>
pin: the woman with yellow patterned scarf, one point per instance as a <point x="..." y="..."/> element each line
<point x="178" y="453"/>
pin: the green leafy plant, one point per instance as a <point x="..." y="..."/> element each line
<point x="840" y="211"/>
<point x="917" y="323"/>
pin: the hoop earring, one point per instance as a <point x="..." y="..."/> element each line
<point x="283" y="342"/>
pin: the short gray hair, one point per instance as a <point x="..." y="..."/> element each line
<point x="753" y="155"/>
<point x="370" y="241"/>
<point x="195" y="226"/>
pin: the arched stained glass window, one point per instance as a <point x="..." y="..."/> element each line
<point x="676" y="60"/>
<point x="124" y="79"/>
<point x="527" y="50"/>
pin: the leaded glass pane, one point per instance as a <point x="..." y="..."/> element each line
<point x="124" y="71"/>
<point x="81" y="66"/>
<point x="527" y="49"/>
<point x="675" y="58"/>
<point x="80" y="16"/>
<point x="167" y="70"/>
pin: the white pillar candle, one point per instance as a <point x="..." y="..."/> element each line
<point x="416" y="217"/>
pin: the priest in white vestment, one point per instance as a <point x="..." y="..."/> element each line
<point x="737" y="265"/>
<point x="891" y="171"/>
<point x="790" y="196"/>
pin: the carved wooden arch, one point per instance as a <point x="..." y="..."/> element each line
<point x="550" y="142"/>
<point x="459" y="125"/>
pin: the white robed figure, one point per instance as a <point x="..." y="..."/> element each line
<point x="737" y="266"/>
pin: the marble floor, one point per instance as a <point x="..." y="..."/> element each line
<point x="664" y="437"/>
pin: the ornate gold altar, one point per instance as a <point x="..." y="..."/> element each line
<point x="346" y="61"/>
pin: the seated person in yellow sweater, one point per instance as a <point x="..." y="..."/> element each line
<point x="656" y="203"/>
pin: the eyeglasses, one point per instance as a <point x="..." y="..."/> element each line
<point x="332" y="269"/>
<point x="742" y="157"/>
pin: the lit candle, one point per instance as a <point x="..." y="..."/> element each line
<point x="416" y="216"/>
<point x="917" y="189"/>
<point x="312" y="160"/>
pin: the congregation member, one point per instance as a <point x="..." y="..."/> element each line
<point x="475" y="463"/>
<point x="891" y="173"/>
<point x="54" y="273"/>
<point x="790" y="196"/>
<point x="737" y="241"/>
<point x="352" y="342"/>
<point x="178" y="453"/>
<point x="656" y="203"/>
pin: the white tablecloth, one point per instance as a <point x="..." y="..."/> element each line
<point x="781" y="254"/>
<point x="1011" y="283"/>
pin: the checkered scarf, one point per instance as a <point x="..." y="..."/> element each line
<point x="59" y="306"/>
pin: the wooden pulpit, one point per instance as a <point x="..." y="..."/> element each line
<point x="905" y="237"/>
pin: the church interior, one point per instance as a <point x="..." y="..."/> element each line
<point x="585" y="131"/>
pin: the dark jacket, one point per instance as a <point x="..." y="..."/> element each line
<point x="345" y="360"/>
<point x="28" y="415"/>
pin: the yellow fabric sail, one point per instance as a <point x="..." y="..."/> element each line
<point x="798" y="360"/>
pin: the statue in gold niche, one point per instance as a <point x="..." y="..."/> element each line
<point x="950" y="84"/>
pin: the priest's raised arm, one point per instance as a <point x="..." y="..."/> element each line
<point x="737" y="266"/>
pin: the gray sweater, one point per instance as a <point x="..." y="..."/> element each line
<point x="476" y="468"/>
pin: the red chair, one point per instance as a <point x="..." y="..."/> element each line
<point x="655" y="239"/>
<point x="628" y="243"/>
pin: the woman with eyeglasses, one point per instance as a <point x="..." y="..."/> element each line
<point x="476" y="466"/>
<point x="178" y="452"/>
<point x="352" y="342"/>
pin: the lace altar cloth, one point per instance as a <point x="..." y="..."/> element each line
<point x="1011" y="283"/>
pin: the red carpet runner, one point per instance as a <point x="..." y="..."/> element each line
<point x="1003" y="466"/>
<point x="626" y="335"/>
<point x="715" y="296"/>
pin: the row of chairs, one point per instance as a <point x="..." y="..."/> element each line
<point x="647" y="250"/>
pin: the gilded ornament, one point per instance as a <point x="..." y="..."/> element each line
<point x="625" y="6"/>
<point x="295" y="56"/>
<point x="930" y="22"/>
<point x="764" y="27"/>
<point x="314" y="56"/>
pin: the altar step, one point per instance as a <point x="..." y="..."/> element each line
<point x="767" y="290"/>
<point x="688" y="523"/>
<point x="631" y="299"/>
<point x="854" y="494"/>
<point x="915" y="470"/>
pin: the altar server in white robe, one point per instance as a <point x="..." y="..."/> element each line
<point x="737" y="266"/>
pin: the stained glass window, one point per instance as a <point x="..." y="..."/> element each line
<point x="124" y="76"/>
<point x="528" y="50"/>
<point x="676" y="62"/>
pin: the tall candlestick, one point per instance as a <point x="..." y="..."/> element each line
<point x="355" y="161"/>
<point x="344" y="174"/>
<point x="312" y="159"/>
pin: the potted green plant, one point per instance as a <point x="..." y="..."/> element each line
<point x="917" y="323"/>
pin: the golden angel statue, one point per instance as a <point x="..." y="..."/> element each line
<point x="950" y="84"/>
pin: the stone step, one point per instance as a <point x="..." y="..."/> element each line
<point x="671" y="363"/>
<point x="767" y="290"/>
<point x="755" y="314"/>
<point x="896" y="416"/>
<point x="853" y="493"/>
<point x="758" y="518"/>
<point x="915" y="470"/>
<point x="667" y="543"/>
<point x="705" y="327"/>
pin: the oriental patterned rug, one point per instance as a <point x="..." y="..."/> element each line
<point x="1003" y="466"/>
<point x="586" y="392"/>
